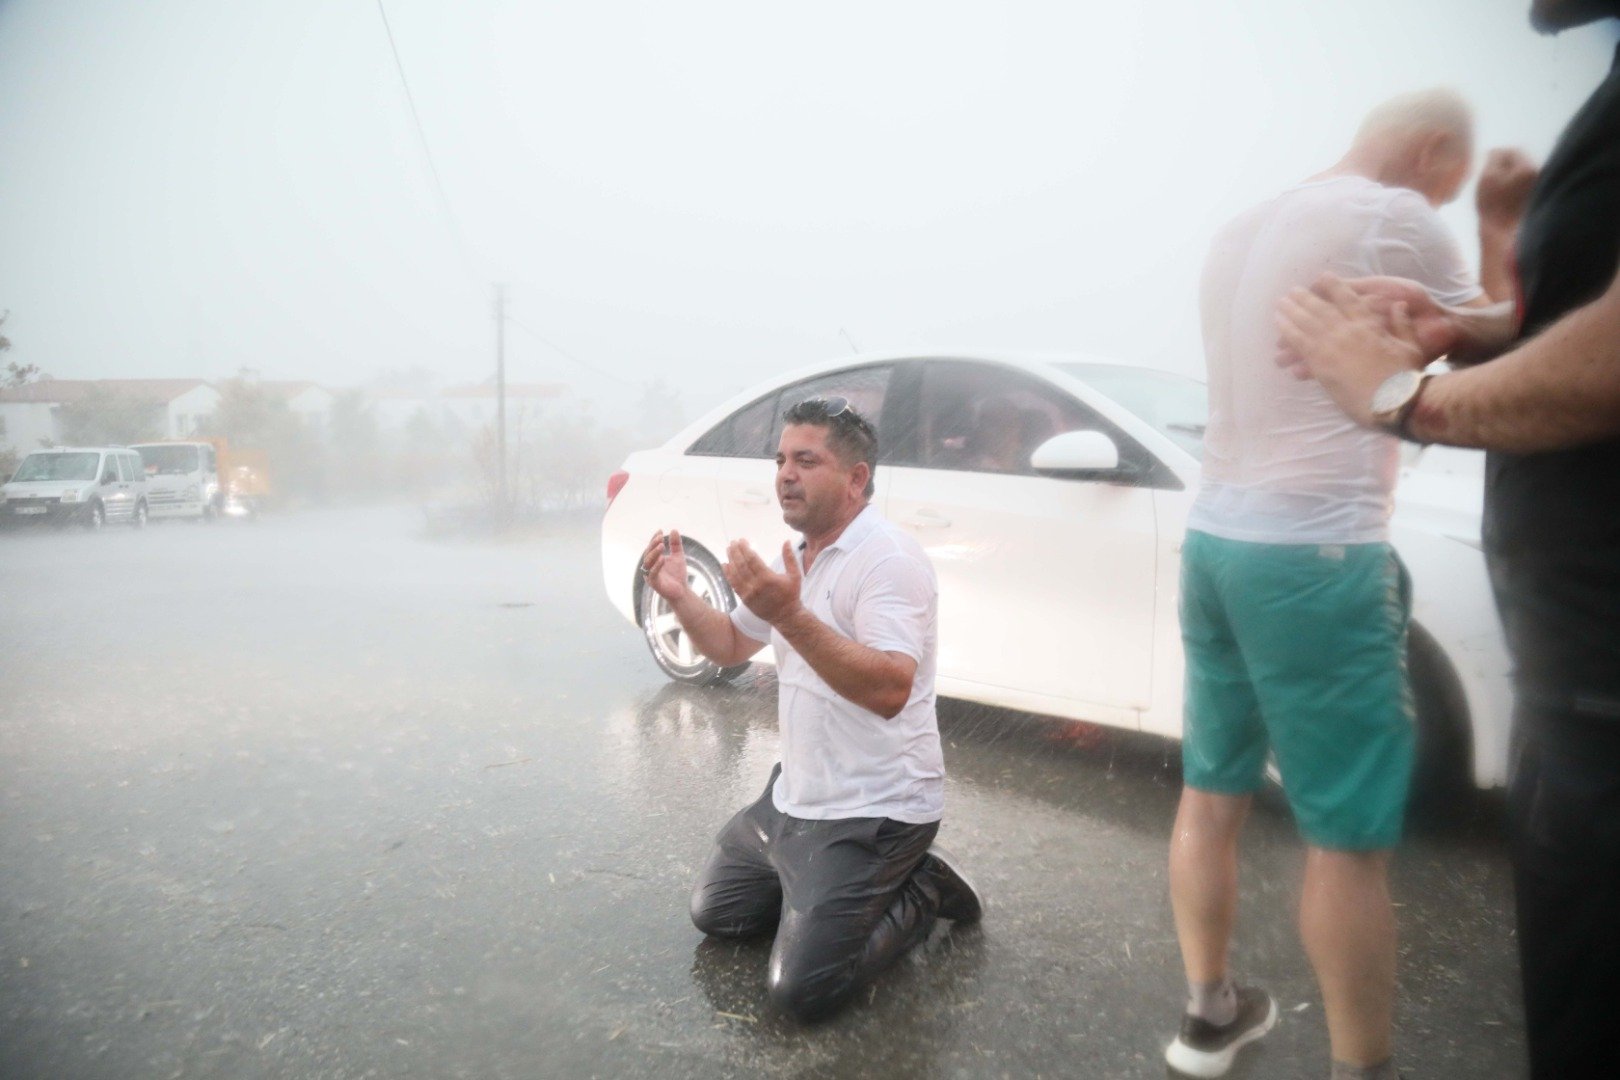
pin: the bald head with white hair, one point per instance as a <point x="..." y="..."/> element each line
<point x="1422" y="140"/>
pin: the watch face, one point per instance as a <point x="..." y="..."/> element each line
<point x="1394" y="392"/>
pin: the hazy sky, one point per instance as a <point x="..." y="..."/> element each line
<point x="708" y="192"/>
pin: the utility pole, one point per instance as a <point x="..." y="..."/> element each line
<point x="503" y="507"/>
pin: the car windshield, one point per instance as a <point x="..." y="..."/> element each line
<point x="1174" y="404"/>
<point x="58" y="467"/>
<point x="168" y="459"/>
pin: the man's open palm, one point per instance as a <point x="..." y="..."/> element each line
<point x="765" y="592"/>
<point x="666" y="569"/>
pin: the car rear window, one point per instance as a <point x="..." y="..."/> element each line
<point x="745" y="433"/>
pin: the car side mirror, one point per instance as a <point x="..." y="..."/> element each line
<point x="1076" y="452"/>
<point x="109" y="477"/>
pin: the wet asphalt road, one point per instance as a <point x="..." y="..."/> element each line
<point x="317" y="797"/>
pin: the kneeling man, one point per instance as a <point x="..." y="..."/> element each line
<point x="835" y="855"/>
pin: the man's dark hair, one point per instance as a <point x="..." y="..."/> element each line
<point x="848" y="433"/>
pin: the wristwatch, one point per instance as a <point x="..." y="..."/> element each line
<point x="1396" y="398"/>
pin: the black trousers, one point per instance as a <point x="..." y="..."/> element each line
<point x="847" y="897"/>
<point x="1565" y="820"/>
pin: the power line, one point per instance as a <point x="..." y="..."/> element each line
<point x="560" y="351"/>
<point x="427" y="151"/>
<point x="503" y="316"/>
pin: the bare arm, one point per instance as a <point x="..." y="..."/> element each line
<point x="1496" y="262"/>
<point x="1466" y="334"/>
<point x="1480" y="331"/>
<point x="878" y="681"/>
<point x="1505" y="184"/>
<point x="1559" y="389"/>
<point x="712" y="632"/>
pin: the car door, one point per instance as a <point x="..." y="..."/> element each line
<point x="135" y="472"/>
<point x="1047" y="584"/>
<point x="116" y="500"/>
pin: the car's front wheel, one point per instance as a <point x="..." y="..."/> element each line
<point x="94" y="517"/>
<point x="669" y="643"/>
<point x="138" y="519"/>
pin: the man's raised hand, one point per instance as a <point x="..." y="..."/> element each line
<point x="1504" y="188"/>
<point x="664" y="564"/>
<point x="762" y="590"/>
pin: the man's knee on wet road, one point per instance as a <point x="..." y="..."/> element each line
<point x="808" y="990"/>
<point x="722" y="909"/>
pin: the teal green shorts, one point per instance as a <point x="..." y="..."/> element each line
<point x="1301" y="650"/>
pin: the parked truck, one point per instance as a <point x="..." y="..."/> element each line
<point x="182" y="479"/>
<point x="204" y="478"/>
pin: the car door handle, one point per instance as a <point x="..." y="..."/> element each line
<point x="927" y="519"/>
<point x="754" y="497"/>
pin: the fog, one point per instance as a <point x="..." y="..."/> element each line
<point x="705" y="193"/>
<point x="381" y="766"/>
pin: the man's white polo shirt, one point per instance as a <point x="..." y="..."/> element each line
<point x="875" y="586"/>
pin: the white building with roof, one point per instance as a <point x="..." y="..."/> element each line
<point x="30" y="415"/>
<point x="309" y="401"/>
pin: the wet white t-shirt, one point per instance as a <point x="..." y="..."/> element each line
<point x="875" y="586"/>
<point x="1282" y="463"/>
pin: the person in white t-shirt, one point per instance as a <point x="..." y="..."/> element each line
<point x="836" y="853"/>
<point x="1294" y="608"/>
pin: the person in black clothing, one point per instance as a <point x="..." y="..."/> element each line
<point x="1547" y="407"/>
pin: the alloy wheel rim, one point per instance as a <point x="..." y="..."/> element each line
<point x="664" y="629"/>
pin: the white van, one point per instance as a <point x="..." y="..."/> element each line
<point x="86" y="485"/>
<point x="182" y="479"/>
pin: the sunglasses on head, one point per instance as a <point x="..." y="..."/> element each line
<point x="836" y="410"/>
<point x="829" y="406"/>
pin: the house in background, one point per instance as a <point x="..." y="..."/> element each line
<point x="310" y="402"/>
<point x="53" y="412"/>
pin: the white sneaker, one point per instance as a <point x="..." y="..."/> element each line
<point x="1206" y="1050"/>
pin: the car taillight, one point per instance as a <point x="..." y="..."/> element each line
<point x="616" y="484"/>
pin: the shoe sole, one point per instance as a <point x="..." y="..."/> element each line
<point x="1206" y="1064"/>
<point x="949" y="862"/>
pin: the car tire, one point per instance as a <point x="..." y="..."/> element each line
<point x="137" y="520"/>
<point x="94" y="517"/>
<point x="670" y="646"/>
<point x="1442" y="775"/>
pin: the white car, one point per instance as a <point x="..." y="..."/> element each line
<point x="1052" y="496"/>
<point x="86" y="485"/>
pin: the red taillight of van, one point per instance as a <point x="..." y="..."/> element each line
<point x="616" y="484"/>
